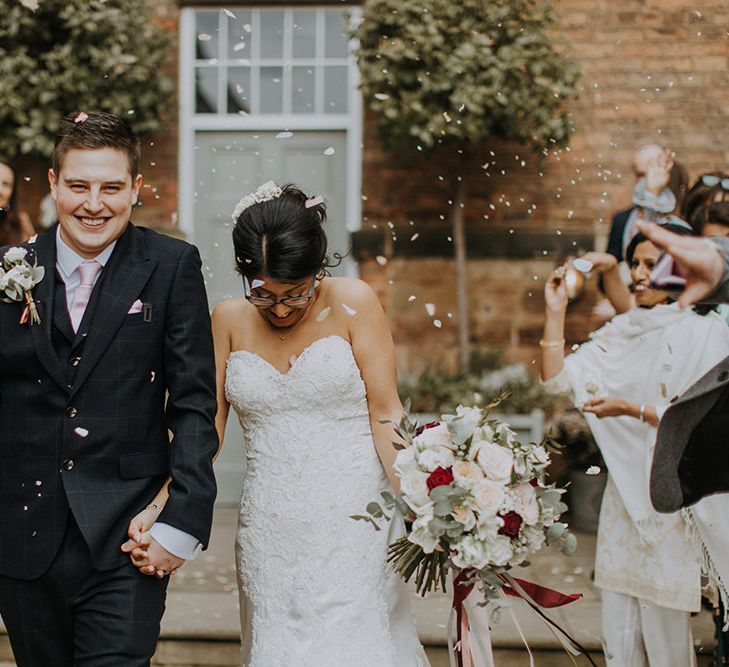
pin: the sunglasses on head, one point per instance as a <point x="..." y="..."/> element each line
<point x="709" y="180"/>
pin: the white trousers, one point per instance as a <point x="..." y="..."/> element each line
<point x="634" y="630"/>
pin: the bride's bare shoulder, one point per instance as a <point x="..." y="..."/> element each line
<point x="230" y="312"/>
<point x="351" y="291"/>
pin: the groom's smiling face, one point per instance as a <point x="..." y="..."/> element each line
<point x="94" y="194"/>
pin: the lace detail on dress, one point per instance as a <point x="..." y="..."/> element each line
<point x="312" y="580"/>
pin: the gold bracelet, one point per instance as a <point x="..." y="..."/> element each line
<point x="552" y="344"/>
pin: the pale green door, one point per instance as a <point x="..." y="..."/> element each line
<point x="229" y="165"/>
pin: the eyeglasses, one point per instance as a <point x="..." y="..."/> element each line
<point x="709" y="180"/>
<point x="269" y="302"/>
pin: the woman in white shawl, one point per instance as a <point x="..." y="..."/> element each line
<point x="648" y="565"/>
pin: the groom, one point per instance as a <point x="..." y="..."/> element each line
<point x="111" y="394"/>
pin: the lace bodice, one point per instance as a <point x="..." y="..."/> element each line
<point x="314" y="583"/>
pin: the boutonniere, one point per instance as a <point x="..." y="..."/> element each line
<point x="18" y="277"/>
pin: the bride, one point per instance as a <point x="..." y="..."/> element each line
<point x="307" y="362"/>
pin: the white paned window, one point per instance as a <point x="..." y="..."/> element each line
<point x="269" y="62"/>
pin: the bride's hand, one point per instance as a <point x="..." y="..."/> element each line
<point x="142" y="522"/>
<point x="602" y="262"/>
<point x="555" y="291"/>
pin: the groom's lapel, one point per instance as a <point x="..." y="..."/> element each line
<point x="44" y="250"/>
<point x="125" y="275"/>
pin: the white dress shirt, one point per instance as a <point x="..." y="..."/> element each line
<point x="176" y="541"/>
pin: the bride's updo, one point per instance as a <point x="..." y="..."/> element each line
<point x="282" y="238"/>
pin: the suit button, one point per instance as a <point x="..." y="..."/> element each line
<point x="75" y="361"/>
<point x="71" y="412"/>
<point x="69" y="464"/>
<point x="723" y="376"/>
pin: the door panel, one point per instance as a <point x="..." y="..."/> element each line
<point x="228" y="166"/>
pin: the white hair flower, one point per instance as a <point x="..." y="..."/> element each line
<point x="265" y="192"/>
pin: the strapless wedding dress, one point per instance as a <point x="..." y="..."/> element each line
<point x="315" y="590"/>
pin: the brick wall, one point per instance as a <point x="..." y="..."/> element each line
<point x="653" y="70"/>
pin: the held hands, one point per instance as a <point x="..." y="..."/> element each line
<point x="555" y="291"/>
<point x="146" y="553"/>
<point x="607" y="407"/>
<point x="698" y="259"/>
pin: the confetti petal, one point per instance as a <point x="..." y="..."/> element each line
<point x="437" y="324"/>
<point x="382" y="96"/>
<point x="412" y="298"/>
<point x="593" y="470"/>
<point x="381" y="260"/>
<point x="430" y="309"/>
<point x="330" y="151"/>
<point x="314" y="201"/>
<point x="257" y="283"/>
<point x="324" y="314"/>
<point x="284" y="135"/>
<point x="81" y="118"/>
<point x="229" y="13"/>
<point x="583" y="265"/>
<point x="81" y="431"/>
<point x="350" y="311"/>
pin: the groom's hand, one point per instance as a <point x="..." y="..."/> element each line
<point x="150" y="557"/>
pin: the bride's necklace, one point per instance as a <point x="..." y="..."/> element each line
<point x="293" y="327"/>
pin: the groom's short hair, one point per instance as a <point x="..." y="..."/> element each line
<point x="91" y="130"/>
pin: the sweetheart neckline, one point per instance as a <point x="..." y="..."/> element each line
<point x="298" y="358"/>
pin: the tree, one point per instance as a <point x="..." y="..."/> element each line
<point x="58" y="56"/>
<point x="446" y="77"/>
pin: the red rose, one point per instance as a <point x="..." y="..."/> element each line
<point x="512" y="524"/>
<point x="422" y="428"/>
<point x="439" y="477"/>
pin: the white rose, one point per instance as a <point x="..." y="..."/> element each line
<point x="15" y="255"/>
<point x="488" y="496"/>
<point x="430" y="438"/>
<point x="496" y="461"/>
<point x="22" y="277"/>
<point x="470" y="552"/>
<point x="525" y="503"/>
<point x="405" y="462"/>
<point x="466" y="474"/>
<point x="470" y="417"/>
<point x="499" y="550"/>
<point x="464" y="516"/>
<point x="415" y="491"/>
<point x="440" y="457"/>
<point x="422" y="536"/>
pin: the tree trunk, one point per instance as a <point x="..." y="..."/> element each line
<point x="459" y="246"/>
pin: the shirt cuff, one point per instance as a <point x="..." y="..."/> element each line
<point x="176" y="541"/>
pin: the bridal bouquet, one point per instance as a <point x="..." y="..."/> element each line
<point x="480" y="505"/>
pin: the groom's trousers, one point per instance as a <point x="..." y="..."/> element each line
<point x="77" y="616"/>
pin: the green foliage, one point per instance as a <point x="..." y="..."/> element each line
<point x="438" y="391"/>
<point x="71" y="55"/>
<point x="441" y="72"/>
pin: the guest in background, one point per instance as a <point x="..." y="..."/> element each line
<point x="648" y="566"/>
<point x="660" y="188"/>
<point x="15" y="225"/>
<point x="710" y="188"/>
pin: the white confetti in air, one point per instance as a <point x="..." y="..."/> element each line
<point x="38" y="483"/>
<point x="437" y="324"/>
<point x="330" y="151"/>
<point x="583" y="265"/>
<point x="284" y="135"/>
<point x="414" y="237"/>
<point x="257" y="283"/>
<point x="350" y="311"/>
<point x="247" y="27"/>
<point x="382" y="96"/>
<point x="249" y="261"/>
<point x="324" y="314"/>
<point x="593" y="470"/>
<point x="430" y="308"/>
<point x="32" y="239"/>
<point x="81" y="118"/>
<point x="381" y="260"/>
<point x="314" y="201"/>
<point x="152" y="376"/>
<point x="81" y="431"/>
<point x="238" y="89"/>
<point x="229" y="13"/>
<point x="239" y="46"/>
<point x="412" y="298"/>
<point x="204" y="37"/>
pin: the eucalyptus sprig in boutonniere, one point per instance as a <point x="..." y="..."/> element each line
<point x="18" y="277"/>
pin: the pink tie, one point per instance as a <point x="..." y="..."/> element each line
<point x="88" y="270"/>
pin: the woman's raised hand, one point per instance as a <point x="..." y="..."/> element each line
<point x="659" y="172"/>
<point x="602" y="262"/>
<point x="555" y="291"/>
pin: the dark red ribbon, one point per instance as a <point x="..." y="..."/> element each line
<point x="544" y="597"/>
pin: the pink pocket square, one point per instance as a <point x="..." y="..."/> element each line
<point x="136" y="307"/>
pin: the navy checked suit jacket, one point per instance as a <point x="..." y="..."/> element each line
<point x="139" y="406"/>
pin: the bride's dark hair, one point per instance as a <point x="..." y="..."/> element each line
<point x="282" y="238"/>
